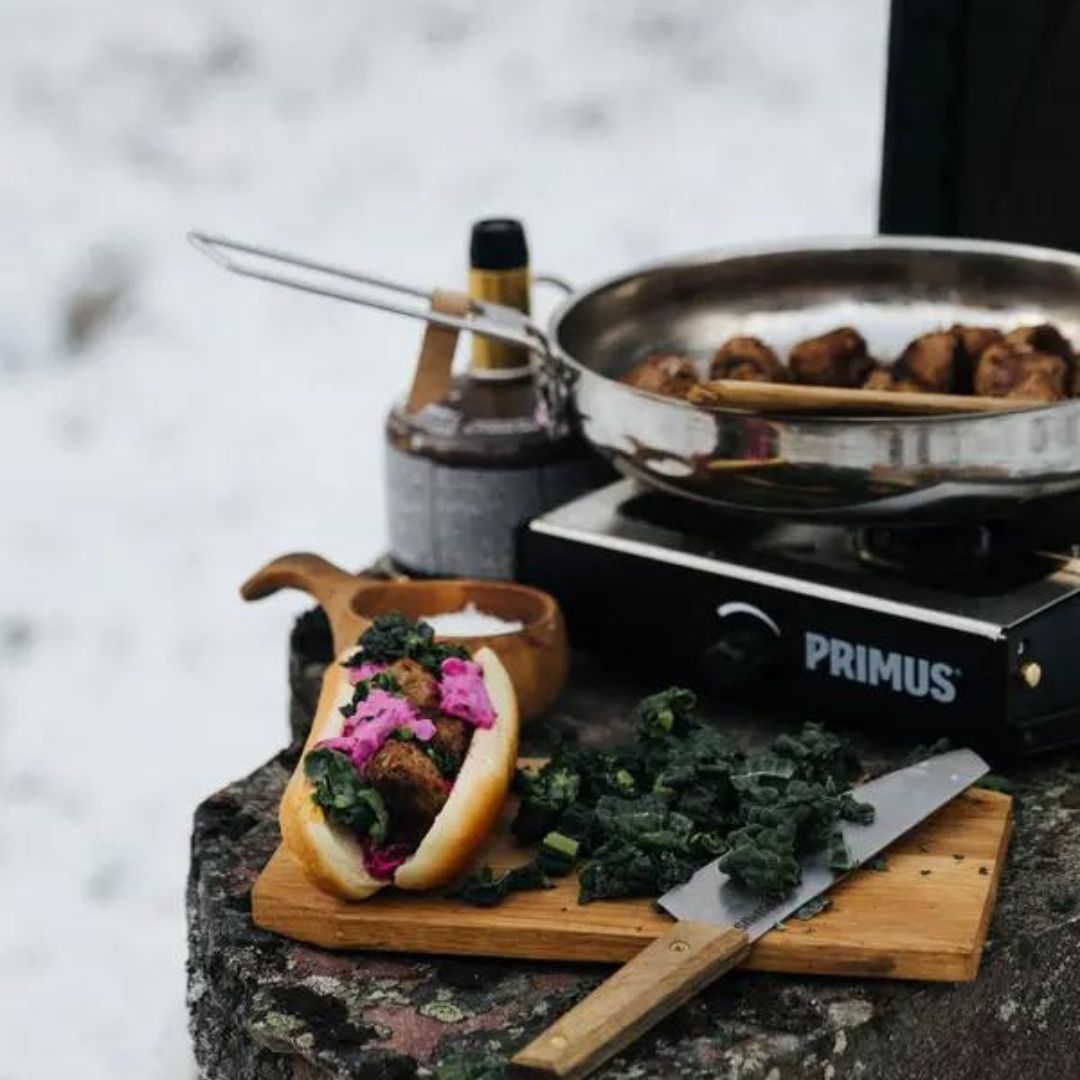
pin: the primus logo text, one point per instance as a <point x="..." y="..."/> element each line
<point x="912" y="675"/>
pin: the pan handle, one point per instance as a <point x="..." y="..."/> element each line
<point x="555" y="281"/>
<point x="490" y="320"/>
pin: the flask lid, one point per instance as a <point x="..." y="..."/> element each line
<point x="498" y="244"/>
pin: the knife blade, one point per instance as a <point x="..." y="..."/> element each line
<point x="718" y="919"/>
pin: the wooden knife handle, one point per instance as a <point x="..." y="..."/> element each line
<point x="664" y="975"/>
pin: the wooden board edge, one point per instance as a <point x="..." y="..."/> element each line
<point x="993" y="887"/>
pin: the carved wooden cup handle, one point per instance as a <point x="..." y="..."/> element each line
<point x="332" y="587"/>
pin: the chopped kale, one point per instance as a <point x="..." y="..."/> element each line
<point x="851" y="809"/>
<point x="671" y="712"/>
<point x="619" y="868"/>
<point x="444" y="760"/>
<point x="395" y="637"/>
<point x="840" y="858"/>
<point x="557" y="854"/>
<point x="544" y="797"/>
<point x="343" y="796"/>
<point x="485" y="888"/>
<point x="763" y="859"/>
<point x="382" y="680"/>
<point x="645" y="817"/>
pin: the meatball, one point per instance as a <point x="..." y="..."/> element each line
<point x="1011" y="371"/>
<point x="452" y="737"/>
<point x="748" y="359"/>
<point x="664" y="373"/>
<point x="975" y="340"/>
<point x="417" y="684"/>
<point x="883" y="378"/>
<point x="410" y="784"/>
<point x="1043" y="338"/>
<point x="838" y="358"/>
<point x="935" y="362"/>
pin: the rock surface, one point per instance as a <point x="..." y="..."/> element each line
<point x="264" y="1007"/>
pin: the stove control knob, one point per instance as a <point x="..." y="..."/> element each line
<point x="1031" y="673"/>
<point x="746" y="647"/>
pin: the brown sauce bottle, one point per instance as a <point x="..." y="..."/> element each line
<point x="463" y="473"/>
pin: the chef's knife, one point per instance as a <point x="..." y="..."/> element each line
<point x="718" y="921"/>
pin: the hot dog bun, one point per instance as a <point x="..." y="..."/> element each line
<point x="333" y="858"/>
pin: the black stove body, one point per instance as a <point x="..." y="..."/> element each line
<point x="976" y="643"/>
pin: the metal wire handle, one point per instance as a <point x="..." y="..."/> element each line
<point x="495" y="321"/>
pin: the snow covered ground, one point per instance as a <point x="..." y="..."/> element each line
<point x="164" y="428"/>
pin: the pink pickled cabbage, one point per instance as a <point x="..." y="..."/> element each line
<point x="382" y="862"/>
<point x="462" y="692"/>
<point x="377" y="717"/>
<point x="368" y="668"/>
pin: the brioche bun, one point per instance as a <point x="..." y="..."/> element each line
<point x="333" y="858"/>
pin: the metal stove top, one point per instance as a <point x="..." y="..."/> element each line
<point x="980" y="597"/>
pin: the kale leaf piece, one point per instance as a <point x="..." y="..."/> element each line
<point x="544" y="797"/>
<point x="395" y="637"/>
<point x="343" y="796"/>
<point x="485" y="888"/>
<point x="819" y="755"/>
<point x="645" y="848"/>
<point x="840" y="858"/>
<point x="851" y="809"/>
<point x="763" y="858"/>
<point x="671" y="712"/>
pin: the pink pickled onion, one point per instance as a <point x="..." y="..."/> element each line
<point x="368" y="668"/>
<point x="382" y="862"/>
<point x="377" y="717"/>
<point x="462" y="692"/>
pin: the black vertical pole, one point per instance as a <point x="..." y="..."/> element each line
<point x="922" y="102"/>
<point x="982" y="120"/>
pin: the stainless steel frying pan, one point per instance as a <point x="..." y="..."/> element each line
<point x="933" y="469"/>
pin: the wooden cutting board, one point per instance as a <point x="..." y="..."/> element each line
<point x="924" y="916"/>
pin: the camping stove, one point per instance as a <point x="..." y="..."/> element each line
<point x="969" y="634"/>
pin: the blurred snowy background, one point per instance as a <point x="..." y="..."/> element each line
<point x="164" y="428"/>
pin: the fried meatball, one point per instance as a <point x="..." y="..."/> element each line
<point x="975" y="340"/>
<point x="838" y="358"/>
<point x="748" y="359"/>
<point x="663" y="373"/>
<point x="452" y="737"/>
<point x="410" y="784"/>
<point x="1012" y="371"/>
<point x="417" y="684"/>
<point x="934" y="362"/>
<point x="1043" y="338"/>
<point x="883" y="378"/>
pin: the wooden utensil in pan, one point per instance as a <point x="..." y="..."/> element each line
<point x="536" y="656"/>
<point x="789" y="398"/>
